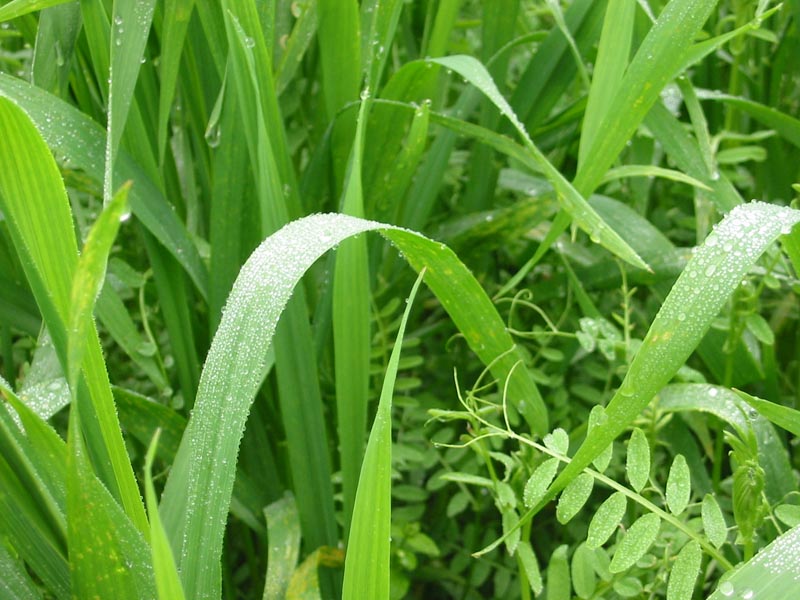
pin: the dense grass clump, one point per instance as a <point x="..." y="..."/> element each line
<point x="220" y="377"/>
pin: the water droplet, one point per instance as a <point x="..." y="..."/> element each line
<point x="681" y="316"/>
<point x="748" y="594"/>
<point x="713" y="392"/>
<point x="249" y="42"/>
<point x="124" y="217"/>
<point x="628" y="388"/>
<point x="710" y="270"/>
<point x="365" y="93"/>
<point x="118" y="41"/>
<point x="726" y="589"/>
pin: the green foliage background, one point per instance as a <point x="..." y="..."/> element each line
<point x="206" y="401"/>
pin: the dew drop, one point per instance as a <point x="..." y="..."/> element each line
<point x="726" y="589"/>
<point x="124" y="217"/>
<point x="748" y="594"/>
<point x="710" y="270"/>
<point x="713" y="392"/>
<point x="681" y="316"/>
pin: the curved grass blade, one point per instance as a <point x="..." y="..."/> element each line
<point x="783" y="416"/>
<point x="35" y="204"/>
<point x="772" y="573"/>
<point x="80" y="140"/>
<point x="168" y="582"/>
<point x="698" y="295"/>
<point x="569" y="197"/>
<point x="198" y="492"/>
<point x="366" y="566"/>
<point x="652" y="171"/>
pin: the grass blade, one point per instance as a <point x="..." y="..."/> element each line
<point x="283" y="527"/>
<point x="197" y="496"/>
<point x="168" y="582"/>
<point x="366" y="567"/>
<point x="18" y="8"/>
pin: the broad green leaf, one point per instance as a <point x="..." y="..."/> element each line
<point x="636" y="543"/>
<point x="606" y="520"/>
<point x="558" y="580"/>
<point x="679" y="487"/>
<point x="684" y="572"/>
<point x="366" y="567"/>
<point x="109" y="557"/>
<point x="572" y="201"/>
<point x="772" y="573"/>
<point x="168" y="581"/>
<point x="713" y="521"/>
<point x="90" y="273"/>
<point x="204" y="467"/>
<point x="584" y="580"/>
<point x="36" y="208"/>
<point x="637" y="464"/>
<point x="77" y="137"/>
<point x="530" y="566"/>
<point x="539" y="481"/>
<point x="574" y="497"/>
<point x="283" y="533"/>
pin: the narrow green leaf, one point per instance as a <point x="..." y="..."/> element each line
<point x="786" y="126"/>
<point x="684" y="572"/>
<point x="366" y="567"/>
<point x="570" y="198"/>
<point x="606" y="520"/>
<point x="637" y="464"/>
<point x="679" y="487"/>
<point x="574" y="497"/>
<point x="88" y="279"/>
<point x="713" y="521"/>
<point x="283" y="533"/>
<point x="651" y="171"/>
<point x="783" y="416"/>
<point x="129" y="31"/>
<point x="17" y="8"/>
<point x="772" y="573"/>
<point x="539" y="481"/>
<point x="612" y="60"/>
<point x="597" y="417"/>
<point x="16" y="582"/>
<point x="168" y="582"/>
<point x="656" y="62"/>
<point x="340" y="51"/>
<point x="636" y="543"/>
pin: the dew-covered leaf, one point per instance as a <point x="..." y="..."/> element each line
<point x="638" y="460"/>
<point x="713" y="521"/>
<point x="772" y="573"/>
<point x="679" y="485"/>
<point x="606" y="520"/>
<point x="557" y="441"/>
<point x="574" y="497"/>
<point x="684" y="572"/>
<point x="539" y="481"/>
<point x="636" y="542"/>
<point x="510" y="521"/>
